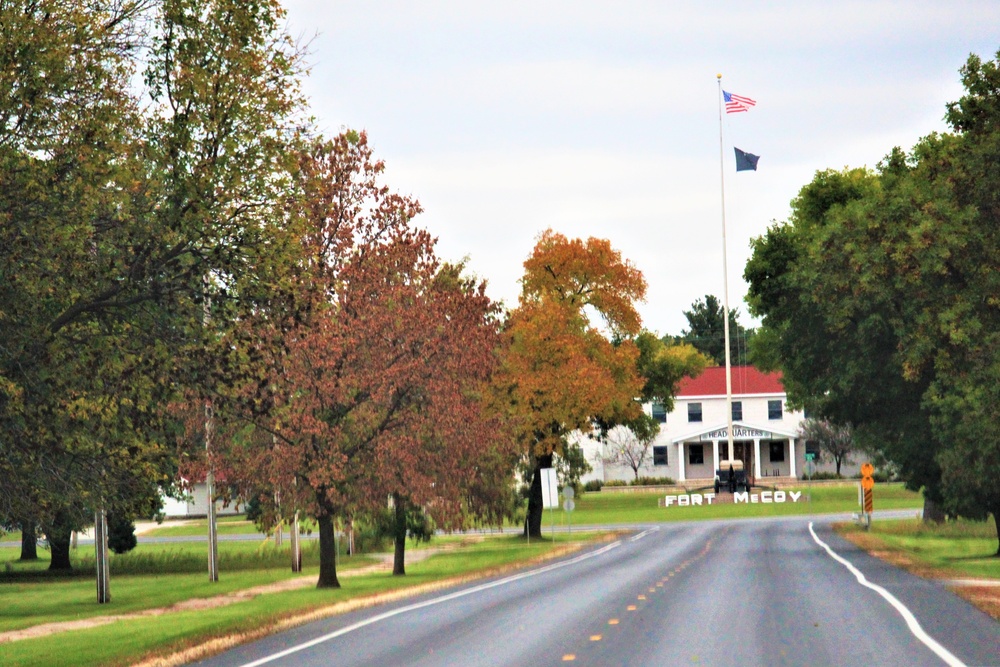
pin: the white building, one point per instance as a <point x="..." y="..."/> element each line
<point x="693" y="438"/>
<point x="195" y="504"/>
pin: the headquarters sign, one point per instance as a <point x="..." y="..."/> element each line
<point x="739" y="433"/>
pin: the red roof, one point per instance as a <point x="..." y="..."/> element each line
<point x="746" y="380"/>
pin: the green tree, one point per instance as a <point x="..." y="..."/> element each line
<point x="879" y="301"/>
<point x="114" y="211"/>
<point x="663" y="365"/>
<point x="706" y="332"/>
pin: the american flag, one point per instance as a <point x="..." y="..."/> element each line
<point x="737" y="103"/>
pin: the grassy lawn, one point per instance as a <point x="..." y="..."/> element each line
<point x="125" y="641"/>
<point x="609" y="507"/>
<point x="227" y="525"/>
<point x="956" y="548"/>
<point x="166" y="578"/>
<point x="179" y="557"/>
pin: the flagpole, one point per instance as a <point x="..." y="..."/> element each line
<point x="725" y="285"/>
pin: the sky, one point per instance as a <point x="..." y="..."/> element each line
<point x="602" y="118"/>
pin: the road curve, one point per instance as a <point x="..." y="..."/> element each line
<point x="755" y="592"/>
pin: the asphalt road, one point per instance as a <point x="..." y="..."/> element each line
<point x="757" y="592"/>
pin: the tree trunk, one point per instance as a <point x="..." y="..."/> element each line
<point x="933" y="513"/>
<point x="29" y="541"/>
<point x="327" y="553"/>
<point x="399" y="535"/>
<point x="533" y="521"/>
<point x="59" y="533"/>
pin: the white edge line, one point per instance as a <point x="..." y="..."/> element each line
<point x="428" y="603"/>
<point x="911" y="620"/>
<point x="636" y="538"/>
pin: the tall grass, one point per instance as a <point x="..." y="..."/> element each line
<point x="179" y="558"/>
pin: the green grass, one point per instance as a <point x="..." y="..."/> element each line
<point x="33" y="601"/>
<point x="611" y="507"/>
<point x="12" y="536"/>
<point x="228" y="525"/>
<point x="180" y="557"/>
<point x="965" y="548"/>
<point x="125" y="641"/>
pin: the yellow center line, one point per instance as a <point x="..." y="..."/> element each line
<point x="631" y="607"/>
<point x="595" y="638"/>
<point x="613" y="621"/>
<point x="569" y="657"/>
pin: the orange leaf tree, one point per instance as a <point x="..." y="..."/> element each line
<point x="560" y="371"/>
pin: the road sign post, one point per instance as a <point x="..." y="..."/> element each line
<point x="569" y="505"/>
<point x="809" y="476"/>
<point x="550" y="495"/>
<point x="867" y="487"/>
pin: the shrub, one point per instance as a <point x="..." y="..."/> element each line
<point x="653" y="481"/>
<point x="121" y="533"/>
<point x="593" y="485"/>
<point x="616" y="482"/>
<point x="825" y="475"/>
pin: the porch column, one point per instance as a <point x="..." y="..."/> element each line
<point x="791" y="450"/>
<point x="715" y="456"/>
<point x="680" y="462"/>
<point x="756" y="458"/>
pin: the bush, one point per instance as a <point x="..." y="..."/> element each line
<point x="653" y="481"/>
<point x="373" y="532"/>
<point x="825" y="475"/>
<point x="616" y="482"/>
<point x="593" y="485"/>
<point x="121" y="533"/>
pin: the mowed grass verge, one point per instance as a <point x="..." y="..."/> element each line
<point x="954" y="549"/>
<point x="961" y="551"/>
<point x="131" y="639"/>
<point x="157" y="576"/>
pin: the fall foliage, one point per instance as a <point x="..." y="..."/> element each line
<point x="374" y="360"/>
<point x="560" y="372"/>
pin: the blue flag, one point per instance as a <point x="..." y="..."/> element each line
<point x="745" y="161"/>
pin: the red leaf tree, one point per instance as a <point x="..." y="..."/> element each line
<point x="373" y="359"/>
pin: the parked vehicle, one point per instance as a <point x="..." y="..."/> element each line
<point x="731" y="477"/>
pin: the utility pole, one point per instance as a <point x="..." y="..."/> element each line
<point x="101" y="556"/>
<point x="213" y="537"/>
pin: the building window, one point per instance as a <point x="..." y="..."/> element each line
<point x="659" y="413"/>
<point x="737" y="410"/>
<point x="660" y="455"/>
<point x="774" y="409"/>
<point x="696" y="455"/>
<point x="694" y="412"/>
<point x="777" y="451"/>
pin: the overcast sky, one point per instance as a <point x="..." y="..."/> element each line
<point x="601" y="118"/>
